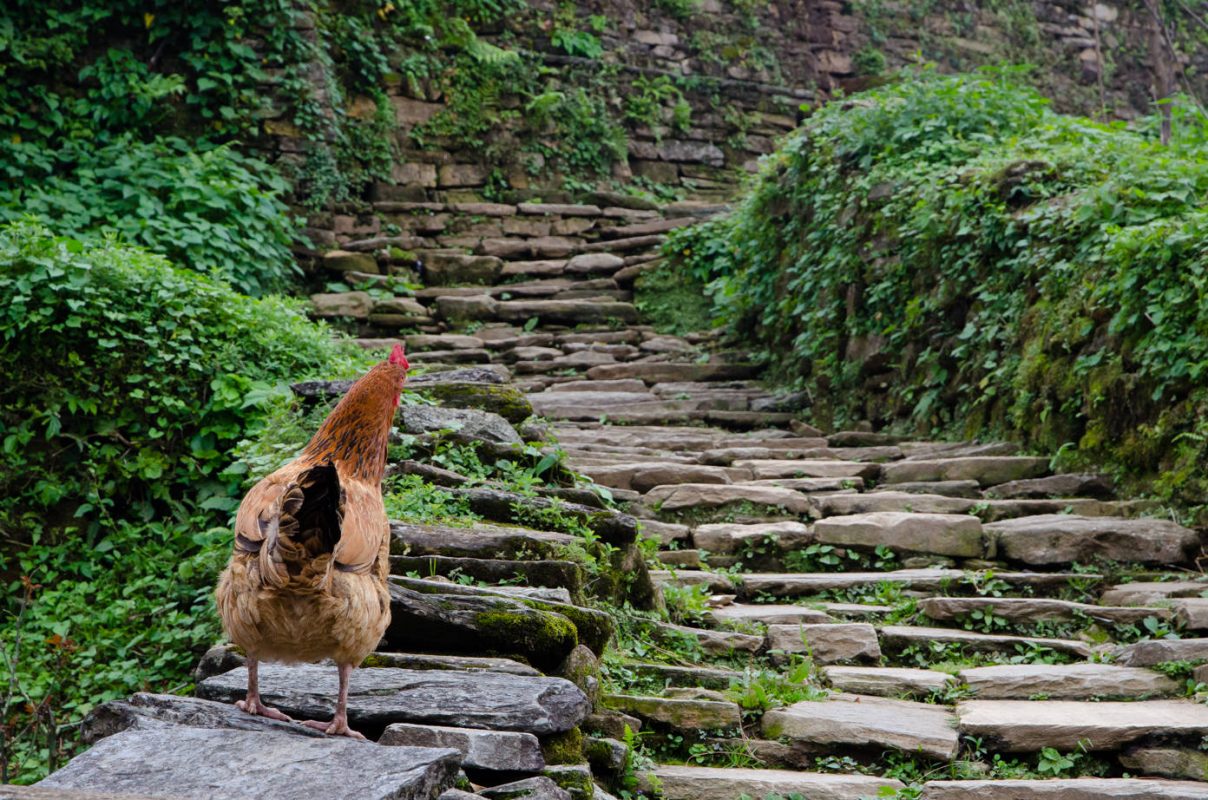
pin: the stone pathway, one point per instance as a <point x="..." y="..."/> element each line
<point x="851" y="614"/>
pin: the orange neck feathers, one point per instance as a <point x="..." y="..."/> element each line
<point x="355" y="434"/>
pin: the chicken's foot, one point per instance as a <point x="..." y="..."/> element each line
<point x="253" y="704"/>
<point x="339" y="723"/>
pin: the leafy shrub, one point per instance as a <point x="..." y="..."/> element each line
<point x="127" y="382"/>
<point x="212" y="210"/>
<point x="996" y="267"/>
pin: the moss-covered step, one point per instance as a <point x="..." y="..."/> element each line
<point x="503" y="399"/>
<point x="693" y="676"/>
<point x="613" y="527"/>
<point x="479" y="541"/>
<point x="688" y="716"/>
<point x="549" y="572"/>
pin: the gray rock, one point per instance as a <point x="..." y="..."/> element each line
<point x="827" y="643"/>
<point x="1146" y="654"/>
<point x="967" y="489"/>
<point x="729" y="537"/>
<point x="719" y="783"/>
<point x="539" y="788"/>
<point x="898" y="636"/>
<point x="942" y="534"/>
<point x="1064" y="789"/>
<point x="464" y="375"/>
<point x="679" y="714"/>
<point x="501" y="751"/>
<point x="182" y="762"/>
<point x="1064" y="538"/>
<point x="594" y="262"/>
<point x="464" y="663"/>
<point x="480" y="541"/>
<point x="574" y="778"/>
<point x="452" y="269"/>
<point x="986" y="470"/>
<point x="768" y="614"/>
<point x="355" y="305"/>
<point x="1168" y="762"/>
<point x="1067" y="485"/>
<point x="889" y="500"/>
<point x="703" y="495"/>
<point x="807" y="468"/>
<point x="1066" y="682"/>
<point x="467" y="309"/>
<point x="466" y="424"/>
<point x="144" y="710"/>
<point x="1023" y="726"/>
<point x="1033" y="609"/>
<point x="859" y="721"/>
<point x="887" y="681"/>
<point x="345" y="261"/>
<point x="381" y="696"/>
<point x="1143" y="593"/>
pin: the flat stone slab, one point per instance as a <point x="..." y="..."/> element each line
<point x="1065" y="789"/>
<point x="792" y="584"/>
<point x="827" y="643"/>
<point x="1167" y="762"/>
<point x="892" y="500"/>
<point x="502" y="751"/>
<point x="807" y="468"/>
<point x="887" y="681"/>
<point x="381" y="696"/>
<point x="1155" y="651"/>
<point x="1067" y="682"/>
<point x="717" y="783"/>
<point x="957" y="535"/>
<point x="535" y="788"/>
<point x="862" y="721"/>
<point x="769" y="614"/>
<point x="1070" y="484"/>
<point x="903" y="635"/>
<point x="986" y="470"/>
<point x="1142" y="593"/>
<point x="642" y="476"/>
<point x="146" y="710"/>
<point x="185" y="762"/>
<point x="480" y="541"/>
<point x="1033" y="609"/>
<point x="680" y="714"/>
<point x="1064" y="538"/>
<point x="703" y="495"/>
<point x="1191" y="612"/>
<point x="1022" y="726"/>
<point x="729" y="537"/>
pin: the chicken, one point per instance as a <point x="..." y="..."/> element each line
<point x="307" y="578"/>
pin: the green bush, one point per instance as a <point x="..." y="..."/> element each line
<point x="212" y="210"/>
<point x="945" y="254"/>
<point x="127" y="384"/>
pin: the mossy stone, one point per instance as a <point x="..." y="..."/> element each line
<point x="574" y="779"/>
<point x="503" y="399"/>
<point x="543" y="637"/>
<point x="563" y="748"/>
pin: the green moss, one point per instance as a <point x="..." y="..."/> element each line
<point x="563" y="748"/>
<point x="503" y="399"/>
<point x="544" y="637"/>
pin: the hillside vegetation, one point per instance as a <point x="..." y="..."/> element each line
<point x="947" y="255"/>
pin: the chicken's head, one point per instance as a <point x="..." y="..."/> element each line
<point x="399" y="359"/>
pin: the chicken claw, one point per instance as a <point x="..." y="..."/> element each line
<point x="337" y="727"/>
<point x="257" y="708"/>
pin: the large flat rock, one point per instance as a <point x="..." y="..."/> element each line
<point x="986" y="470"/>
<point x="791" y="584"/>
<point x="862" y="721"/>
<point x="381" y="696"/>
<point x="677" y="713"/>
<point x="1064" y="538"/>
<point x="806" y="468"/>
<point x="887" y="681"/>
<point x="1155" y="651"/>
<point x="891" y="500"/>
<point x="827" y="643"/>
<point x="480" y="541"/>
<point x="957" y="535"/>
<point x="768" y="614"/>
<point x="703" y="495"/>
<point x="185" y="762"/>
<point x="1067" y="682"/>
<point x="1034" y="609"/>
<point x="1065" y="789"/>
<point x="716" y="783"/>
<point x="1144" y="592"/>
<point x="500" y="751"/>
<point x="1022" y="726"/>
<point x="729" y="537"/>
<point x="642" y="476"/>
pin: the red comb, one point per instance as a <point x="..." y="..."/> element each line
<point x="397" y="357"/>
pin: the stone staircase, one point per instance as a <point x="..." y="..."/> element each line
<point x="764" y="610"/>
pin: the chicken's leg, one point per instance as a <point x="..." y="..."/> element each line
<point x="253" y="704"/>
<point x="339" y="723"/>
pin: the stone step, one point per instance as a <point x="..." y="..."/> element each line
<point x="1034" y="609"/>
<point x="896" y="637"/>
<point x="697" y="496"/>
<point x="887" y="499"/>
<point x="867" y="722"/>
<point x="888" y="681"/>
<point x="378" y="697"/>
<point x="807" y="468"/>
<point x="703" y="677"/>
<point x="986" y="470"/>
<point x="958" y="535"/>
<point x="1143" y="593"/>
<point x="643" y="476"/>
<point x="686" y="715"/>
<point x="1064" y="789"/>
<point x="1021" y="726"/>
<point x="772" y="537"/>
<point x="203" y="763"/>
<point x="767" y="614"/>
<point x="1066" y="682"/>
<point x="791" y="584"/>
<point x="664" y="372"/>
<point x="1155" y="651"/>
<point x="1064" y="538"/>
<point x="497" y="751"/>
<point x="716" y="783"/>
<point x="829" y="643"/>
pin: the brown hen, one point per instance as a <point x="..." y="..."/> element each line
<point x="307" y="578"/>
